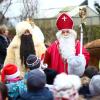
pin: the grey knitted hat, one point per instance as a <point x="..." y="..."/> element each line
<point x="33" y="62"/>
<point x="94" y="85"/>
<point x="36" y="79"/>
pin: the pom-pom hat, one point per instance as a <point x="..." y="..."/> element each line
<point x="64" y="21"/>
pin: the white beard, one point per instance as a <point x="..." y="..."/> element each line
<point x="67" y="45"/>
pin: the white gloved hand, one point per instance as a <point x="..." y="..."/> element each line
<point x="76" y="65"/>
<point x="43" y="66"/>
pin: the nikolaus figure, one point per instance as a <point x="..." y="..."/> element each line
<point x="22" y="46"/>
<point x="64" y="54"/>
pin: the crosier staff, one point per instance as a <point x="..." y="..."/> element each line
<point x="82" y="14"/>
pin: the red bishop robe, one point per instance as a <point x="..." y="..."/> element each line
<point x="54" y="60"/>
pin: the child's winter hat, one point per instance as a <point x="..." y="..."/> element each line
<point x="66" y="86"/>
<point x="50" y="75"/>
<point x="33" y="62"/>
<point x="9" y="71"/>
<point x="91" y="71"/>
<point x="94" y="85"/>
<point x="36" y="80"/>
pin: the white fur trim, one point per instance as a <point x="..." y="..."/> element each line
<point x="21" y="27"/>
<point x="13" y="75"/>
<point x="38" y="34"/>
<point x="58" y="34"/>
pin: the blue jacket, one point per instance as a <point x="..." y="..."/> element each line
<point x="16" y="89"/>
<point x="43" y="94"/>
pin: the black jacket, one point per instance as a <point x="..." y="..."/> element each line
<point x="3" y="49"/>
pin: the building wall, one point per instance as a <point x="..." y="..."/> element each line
<point x="48" y="26"/>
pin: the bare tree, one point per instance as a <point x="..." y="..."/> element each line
<point x="4" y="10"/>
<point x="1" y="1"/>
<point x="97" y="7"/>
<point x="7" y="6"/>
<point x="30" y="8"/>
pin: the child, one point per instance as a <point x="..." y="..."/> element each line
<point x="33" y="62"/>
<point x="36" y="89"/>
<point x="94" y="85"/>
<point x="66" y="87"/>
<point x="90" y="71"/>
<point x="10" y="75"/>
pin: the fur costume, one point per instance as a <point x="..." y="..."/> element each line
<point x="13" y="51"/>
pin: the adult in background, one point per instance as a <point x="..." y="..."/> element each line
<point x="22" y="46"/>
<point x="64" y="54"/>
<point x="4" y="42"/>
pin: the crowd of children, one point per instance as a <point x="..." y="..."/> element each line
<point x="46" y="84"/>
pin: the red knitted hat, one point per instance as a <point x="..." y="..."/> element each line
<point x="64" y="21"/>
<point x="10" y="71"/>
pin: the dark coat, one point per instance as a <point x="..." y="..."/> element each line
<point x="43" y="94"/>
<point x="3" y="49"/>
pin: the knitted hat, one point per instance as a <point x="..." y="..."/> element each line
<point x="67" y="85"/>
<point x="10" y="71"/>
<point x="33" y="62"/>
<point x="91" y="71"/>
<point x="36" y="79"/>
<point x="50" y="75"/>
<point x="21" y="27"/>
<point x="94" y="85"/>
<point x="64" y="21"/>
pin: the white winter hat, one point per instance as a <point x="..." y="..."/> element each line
<point x="67" y="85"/>
<point x="66" y="81"/>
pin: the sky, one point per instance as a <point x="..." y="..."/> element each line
<point x="50" y="8"/>
<point x="46" y="4"/>
<point x="49" y="4"/>
<point x="14" y="10"/>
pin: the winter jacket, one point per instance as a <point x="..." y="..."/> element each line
<point x="3" y="48"/>
<point x="43" y="94"/>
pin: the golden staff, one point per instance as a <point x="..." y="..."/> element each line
<point x="82" y="14"/>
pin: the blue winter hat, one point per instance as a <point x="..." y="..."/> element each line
<point x="36" y="79"/>
<point x="32" y="62"/>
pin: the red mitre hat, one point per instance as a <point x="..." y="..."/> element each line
<point x="64" y="21"/>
